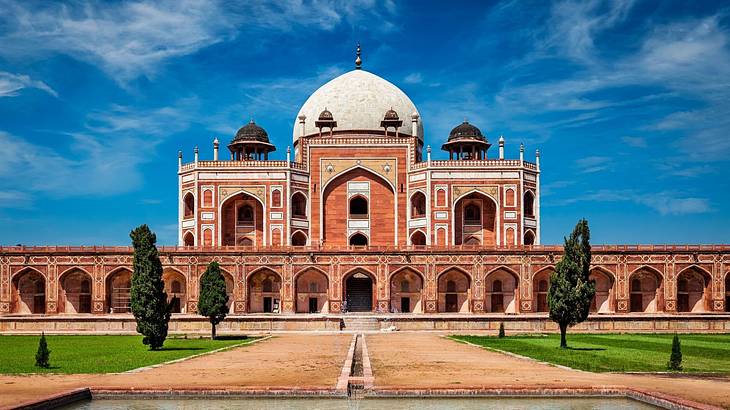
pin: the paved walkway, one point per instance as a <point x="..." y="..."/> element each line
<point x="291" y="360"/>
<point x="427" y="360"/>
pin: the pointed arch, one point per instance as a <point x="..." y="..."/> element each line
<point x="358" y="239"/>
<point x="406" y="290"/>
<point x="694" y="289"/>
<point x="646" y="288"/>
<point x="418" y="238"/>
<point x="311" y="291"/>
<point x="176" y="288"/>
<point x="484" y="225"/>
<point x="604" y="299"/>
<point x="417" y="204"/>
<point x="74" y="291"/>
<point x="299" y="238"/>
<point x="264" y="290"/>
<point x="259" y="227"/>
<point x="28" y="287"/>
<point x="454" y="290"/>
<point x="370" y="171"/>
<point x="502" y="290"/>
<point x="359" y="286"/>
<point x="118" y="286"/>
<point x="540" y="286"/>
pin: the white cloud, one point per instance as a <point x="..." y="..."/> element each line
<point x="664" y="202"/>
<point x="413" y="78"/>
<point x="593" y="164"/>
<point x="12" y="84"/>
<point x="103" y="159"/>
<point x="636" y="142"/>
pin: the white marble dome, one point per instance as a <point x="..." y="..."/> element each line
<point x="358" y="100"/>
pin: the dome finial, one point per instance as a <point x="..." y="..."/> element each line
<point x="358" y="60"/>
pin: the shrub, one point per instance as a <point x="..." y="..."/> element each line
<point x="675" y="360"/>
<point x="213" y="299"/>
<point x="501" y="330"/>
<point x="43" y="355"/>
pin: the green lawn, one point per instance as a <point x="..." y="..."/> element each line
<point x="98" y="354"/>
<point x="617" y="352"/>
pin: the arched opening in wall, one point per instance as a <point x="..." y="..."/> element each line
<point x="175" y="287"/>
<point x="358" y="239"/>
<point x="406" y="287"/>
<point x="509" y="198"/>
<point x="276" y="198"/>
<point x="540" y="287"/>
<point x="264" y="292"/>
<point x="29" y="292"/>
<point x="693" y="291"/>
<point x="298" y="238"/>
<point x="603" y="300"/>
<point x="646" y="292"/>
<point x="529" y="204"/>
<point x="242" y="218"/>
<point x="188" y="206"/>
<point x="475" y="216"/>
<point x="299" y="205"/>
<point x="454" y="292"/>
<point x="418" y="205"/>
<point x="188" y="239"/>
<point x="74" y="292"/>
<point x="359" y="295"/>
<point x="118" y="286"/>
<point x="228" y="278"/>
<point x="358" y="207"/>
<point x="208" y="198"/>
<point x="311" y="292"/>
<point x="207" y="237"/>
<point x="418" y="238"/>
<point x="502" y="291"/>
<point x="529" y="238"/>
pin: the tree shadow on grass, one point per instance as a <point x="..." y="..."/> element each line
<point x="171" y="349"/>
<point x="587" y="349"/>
<point x="232" y="337"/>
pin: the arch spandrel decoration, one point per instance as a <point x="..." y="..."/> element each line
<point x="256" y="191"/>
<point x="488" y="190"/>
<point x="330" y="168"/>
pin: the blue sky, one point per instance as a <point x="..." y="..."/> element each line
<point x="628" y="102"/>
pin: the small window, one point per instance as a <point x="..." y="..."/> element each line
<point x="245" y="214"/>
<point x="298" y="239"/>
<point x="418" y="239"/>
<point x="451" y="286"/>
<point x="299" y="205"/>
<point x="472" y="214"/>
<point x="497" y="286"/>
<point x="188" y="239"/>
<point x="529" y="238"/>
<point x="358" y="239"/>
<point x="188" y="205"/>
<point x="175" y="287"/>
<point x="529" y="204"/>
<point x="418" y="205"/>
<point x="358" y="208"/>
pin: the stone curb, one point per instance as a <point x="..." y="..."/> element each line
<point x="344" y="378"/>
<point x="56" y="400"/>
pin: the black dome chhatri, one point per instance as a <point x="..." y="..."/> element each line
<point x="251" y="132"/>
<point x="466" y="131"/>
<point x="326" y="115"/>
<point x="390" y="115"/>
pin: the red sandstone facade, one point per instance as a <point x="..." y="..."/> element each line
<point x="358" y="220"/>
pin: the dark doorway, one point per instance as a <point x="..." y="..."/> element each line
<point x="175" y="305"/>
<point x="405" y="305"/>
<point x="268" y="306"/>
<point x="313" y="305"/>
<point x="452" y="302"/>
<point x="359" y="293"/>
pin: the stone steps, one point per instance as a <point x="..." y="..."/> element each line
<point x="360" y="323"/>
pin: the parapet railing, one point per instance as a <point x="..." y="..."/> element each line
<point x="242" y="164"/>
<point x="384" y="249"/>
<point x="485" y="163"/>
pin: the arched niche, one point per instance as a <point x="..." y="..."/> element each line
<point x="406" y="291"/>
<point x="418" y="205"/>
<point x="176" y="289"/>
<point x="299" y="238"/>
<point x="603" y="301"/>
<point x="299" y="205"/>
<point x="454" y="291"/>
<point x="693" y="290"/>
<point x="188" y="206"/>
<point x="529" y="204"/>
<point x="118" y="287"/>
<point x="312" y="292"/>
<point x="475" y="217"/>
<point x="540" y="288"/>
<point x="29" y="292"/>
<point x="645" y="291"/>
<point x="242" y="221"/>
<point x="74" y="292"/>
<point x="264" y="292"/>
<point x="418" y="238"/>
<point x="502" y="291"/>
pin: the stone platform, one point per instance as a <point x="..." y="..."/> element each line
<point x="264" y="323"/>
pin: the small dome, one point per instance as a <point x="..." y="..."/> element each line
<point x="251" y="132"/>
<point x="465" y="131"/>
<point x="326" y="115"/>
<point x="391" y="115"/>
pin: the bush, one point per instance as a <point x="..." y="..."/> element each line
<point x="675" y="360"/>
<point x="43" y="355"/>
<point x="213" y="300"/>
<point x="501" y="330"/>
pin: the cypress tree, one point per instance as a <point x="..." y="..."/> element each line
<point x="213" y="299"/>
<point x="148" y="297"/>
<point x="501" y="330"/>
<point x="43" y="355"/>
<point x="571" y="290"/>
<point x="675" y="360"/>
